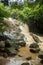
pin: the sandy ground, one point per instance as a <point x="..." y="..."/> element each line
<point x="25" y="52"/>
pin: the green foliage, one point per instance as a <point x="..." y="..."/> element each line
<point x="24" y="12"/>
<point x="3" y="26"/>
<point x="4" y="11"/>
<point x="15" y="5"/>
<point x="35" y="13"/>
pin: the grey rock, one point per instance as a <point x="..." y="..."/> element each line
<point x="40" y="56"/>
<point x="21" y="43"/>
<point x="35" y="50"/>
<point x="34" y="45"/>
<point x="3" y="37"/>
<point x="12" y="51"/>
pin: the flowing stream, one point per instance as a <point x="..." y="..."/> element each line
<point x="16" y="62"/>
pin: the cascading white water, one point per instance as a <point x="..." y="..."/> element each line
<point x="17" y="62"/>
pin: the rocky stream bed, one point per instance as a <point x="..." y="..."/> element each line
<point x="18" y="46"/>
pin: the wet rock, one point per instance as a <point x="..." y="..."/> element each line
<point x="35" y="50"/>
<point x="16" y="37"/>
<point x="34" y="45"/>
<point x="26" y="63"/>
<point x="41" y="61"/>
<point x="40" y="56"/>
<point x="12" y="51"/>
<point x="28" y="58"/>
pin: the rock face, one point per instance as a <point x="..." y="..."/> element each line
<point x="11" y="41"/>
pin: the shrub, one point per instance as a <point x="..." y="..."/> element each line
<point x="38" y="16"/>
<point x="4" y="11"/>
<point x="15" y="5"/>
<point x="27" y="12"/>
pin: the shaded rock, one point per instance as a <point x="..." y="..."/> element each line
<point x="1" y="54"/>
<point x="40" y="56"/>
<point x="22" y="43"/>
<point x="35" y="50"/>
<point x="26" y="63"/>
<point x="34" y="45"/>
<point x="3" y="37"/>
<point x="2" y="44"/>
<point x="8" y="43"/>
<point x="28" y="58"/>
<point x="2" y="49"/>
<point x="41" y="61"/>
<point x="18" y="44"/>
<point x="12" y="51"/>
